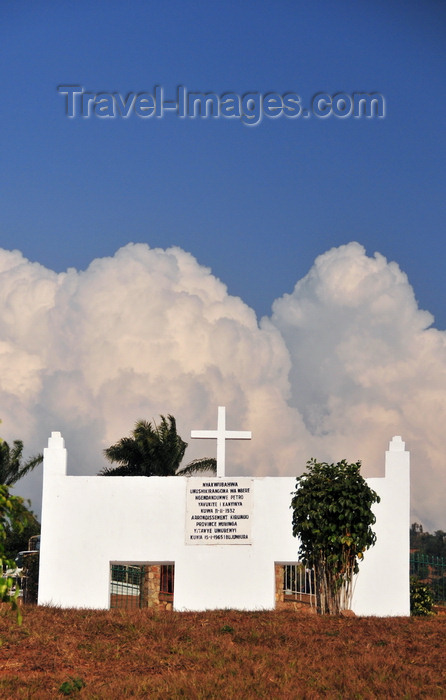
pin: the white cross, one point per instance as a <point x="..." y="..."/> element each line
<point x="221" y="435"/>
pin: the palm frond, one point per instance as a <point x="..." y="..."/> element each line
<point x="11" y="469"/>
<point x="207" y="464"/>
<point x="29" y="465"/>
<point x="122" y="470"/>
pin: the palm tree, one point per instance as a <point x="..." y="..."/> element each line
<point x="11" y="468"/>
<point x="153" y="450"/>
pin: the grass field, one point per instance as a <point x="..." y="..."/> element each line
<point x="223" y="654"/>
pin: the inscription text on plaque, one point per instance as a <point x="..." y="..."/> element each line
<point x="218" y="510"/>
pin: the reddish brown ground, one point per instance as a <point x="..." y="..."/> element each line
<point x="224" y="654"/>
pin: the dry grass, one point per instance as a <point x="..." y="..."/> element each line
<point x="224" y="654"/>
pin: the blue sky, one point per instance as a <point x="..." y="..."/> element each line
<point x="255" y="204"/>
<point x="345" y="359"/>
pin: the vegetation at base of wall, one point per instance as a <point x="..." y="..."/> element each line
<point x="421" y="597"/>
<point x="17" y="522"/>
<point x="332" y="517"/>
<point x="428" y="560"/>
<point x="220" y="654"/>
<point x="11" y="516"/>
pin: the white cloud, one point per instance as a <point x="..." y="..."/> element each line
<point x="346" y="361"/>
<point x="366" y="366"/>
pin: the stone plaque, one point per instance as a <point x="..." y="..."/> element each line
<point x="218" y="510"/>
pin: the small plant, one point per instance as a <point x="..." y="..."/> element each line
<point x="72" y="686"/>
<point x="227" y="628"/>
<point x="421" y="597"/>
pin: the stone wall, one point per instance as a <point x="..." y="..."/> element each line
<point x="152" y="597"/>
<point x="278" y="575"/>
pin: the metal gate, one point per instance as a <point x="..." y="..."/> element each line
<point x="126" y="586"/>
<point x="431" y="570"/>
<point x="298" y="583"/>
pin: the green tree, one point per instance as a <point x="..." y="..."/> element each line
<point x="153" y="450"/>
<point x="11" y="516"/>
<point x="433" y="545"/>
<point x="332" y="516"/>
<point x="17" y="539"/>
<point x="11" y="467"/>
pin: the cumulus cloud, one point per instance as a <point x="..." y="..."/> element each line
<point x="365" y="364"/>
<point x="345" y="362"/>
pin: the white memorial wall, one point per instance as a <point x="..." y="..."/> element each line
<point x="224" y="535"/>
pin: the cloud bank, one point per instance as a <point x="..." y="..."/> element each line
<point x="344" y="363"/>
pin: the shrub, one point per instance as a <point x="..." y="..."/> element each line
<point x="332" y="516"/>
<point x="421" y="597"/>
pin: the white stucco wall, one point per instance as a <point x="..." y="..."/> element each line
<point x="382" y="585"/>
<point x="90" y="521"/>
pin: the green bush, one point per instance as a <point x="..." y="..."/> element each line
<point x="332" y="517"/>
<point x="421" y="597"/>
